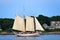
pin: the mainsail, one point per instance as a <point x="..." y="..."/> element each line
<point x="19" y="24"/>
<point x="38" y="25"/>
<point x="29" y="23"/>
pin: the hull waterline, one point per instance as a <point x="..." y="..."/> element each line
<point x="27" y="34"/>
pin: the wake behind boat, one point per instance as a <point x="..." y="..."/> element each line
<point x="27" y="27"/>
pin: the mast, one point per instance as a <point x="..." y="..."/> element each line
<point x="34" y="24"/>
<point x="19" y="24"/>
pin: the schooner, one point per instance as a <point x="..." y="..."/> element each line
<point x="29" y="26"/>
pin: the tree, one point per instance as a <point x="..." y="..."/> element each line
<point x="7" y="24"/>
<point x="55" y="18"/>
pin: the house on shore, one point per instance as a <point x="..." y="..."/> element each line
<point x="55" y="24"/>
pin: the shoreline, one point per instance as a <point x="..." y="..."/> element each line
<point x="50" y="33"/>
<point x="11" y="33"/>
<point x="6" y="33"/>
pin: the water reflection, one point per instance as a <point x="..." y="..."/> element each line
<point x="27" y="38"/>
<point x="41" y="37"/>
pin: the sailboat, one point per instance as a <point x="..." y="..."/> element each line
<point x="27" y="27"/>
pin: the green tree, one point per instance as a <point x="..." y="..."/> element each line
<point x="7" y="24"/>
<point x="55" y="18"/>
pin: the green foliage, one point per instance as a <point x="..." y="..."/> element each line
<point x="49" y="30"/>
<point x="52" y="30"/>
<point x="55" y="18"/>
<point x="57" y="29"/>
<point x="6" y="23"/>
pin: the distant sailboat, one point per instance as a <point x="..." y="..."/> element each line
<point x="27" y="27"/>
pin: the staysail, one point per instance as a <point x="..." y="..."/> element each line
<point x="29" y="23"/>
<point x="38" y="25"/>
<point x="19" y="24"/>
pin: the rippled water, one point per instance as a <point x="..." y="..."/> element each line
<point x="41" y="37"/>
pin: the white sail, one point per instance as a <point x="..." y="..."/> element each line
<point x="38" y="25"/>
<point x="29" y="23"/>
<point x="19" y="23"/>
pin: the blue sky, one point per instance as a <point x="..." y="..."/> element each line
<point x="9" y="8"/>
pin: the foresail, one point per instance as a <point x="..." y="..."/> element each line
<point x="19" y="23"/>
<point x="29" y="23"/>
<point x="38" y="25"/>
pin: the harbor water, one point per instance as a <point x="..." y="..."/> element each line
<point x="41" y="37"/>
